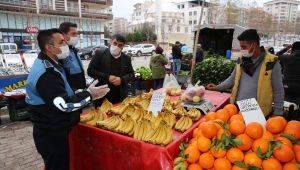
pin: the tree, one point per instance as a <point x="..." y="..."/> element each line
<point x="232" y="13"/>
<point x="137" y="37"/>
<point x="147" y="32"/>
<point x="129" y="37"/>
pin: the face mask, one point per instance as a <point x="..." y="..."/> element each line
<point x="115" y="51"/>
<point x="246" y="53"/>
<point x="65" y="52"/>
<point x="73" y="41"/>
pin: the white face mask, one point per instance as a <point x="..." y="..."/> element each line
<point x="115" y="51"/>
<point x="73" y="41"/>
<point x="65" y="52"/>
<point x="245" y="53"/>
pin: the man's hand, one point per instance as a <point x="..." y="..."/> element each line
<point x="97" y="92"/>
<point x="117" y="81"/>
<point x="212" y="87"/>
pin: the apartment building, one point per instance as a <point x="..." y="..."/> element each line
<point x="120" y="25"/>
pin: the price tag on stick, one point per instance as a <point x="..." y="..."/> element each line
<point x="251" y="112"/>
<point x="157" y="102"/>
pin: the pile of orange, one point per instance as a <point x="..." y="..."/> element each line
<point x="276" y="148"/>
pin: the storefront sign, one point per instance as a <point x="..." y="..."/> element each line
<point x="32" y="30"/>
<point x="12" y="83"/>
<point x="157" y="102"/>
<point x="251" y="111"/>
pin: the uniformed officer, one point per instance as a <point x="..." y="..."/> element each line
<point x="72" y="64"/>
<point x="52" y="101"/>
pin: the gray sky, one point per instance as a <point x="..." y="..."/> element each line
<point x="124" y="8"/>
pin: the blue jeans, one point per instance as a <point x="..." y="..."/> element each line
<point x="158" y="83"/>
<point x="176" y="66"/>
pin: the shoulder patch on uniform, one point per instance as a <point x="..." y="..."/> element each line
<point x="47" y="64"/>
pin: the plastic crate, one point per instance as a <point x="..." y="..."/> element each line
<point x="17" y="109"/>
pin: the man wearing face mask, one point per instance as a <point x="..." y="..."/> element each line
<point x="111" y="66"/>
<point x="52" y="102"/>
<point x="72" y="64"/>
<point x="257" y="75"/>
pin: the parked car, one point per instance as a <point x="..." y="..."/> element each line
<point x="37" y="50"/>
<point x="126" y="48"/>
<point x="142" y="49"/>
<point x="88" y="52"/>
<point x="7" y="48"/>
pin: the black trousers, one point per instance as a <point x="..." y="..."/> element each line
<point x="53" y="147"/>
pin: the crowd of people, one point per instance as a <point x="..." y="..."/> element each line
<point x="57" y="89"/>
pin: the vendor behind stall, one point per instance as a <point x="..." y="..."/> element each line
<point x="53" y="103"/>
<point x="256" y="75"/>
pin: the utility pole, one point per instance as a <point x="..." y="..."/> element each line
<point x="196" y="40"/>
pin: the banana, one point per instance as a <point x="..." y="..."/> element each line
<point x="94" y="120"/>
<point x="180" y="111"/>
<point x="155" y="135"/>
<point x="118" y="110"/>
<point x="194" y="114"/>
<point x="87" y="117"/>
<point x="137" y="130"/>
<point x="162" y="136"/>
<point x="179" y="123"/>
<point x="105" y="107"/>
<point x="169" y="137"/>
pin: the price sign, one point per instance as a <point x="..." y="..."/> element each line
<point x="205" y="106"/>
<point x="157" y="102"/>
<point x="251" y="111"/>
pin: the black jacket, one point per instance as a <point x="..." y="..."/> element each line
<point x="290" y="65"/>
<point x="47" y="116"/>
<point x="176" y="52"/>
<point x="100" y="68"/>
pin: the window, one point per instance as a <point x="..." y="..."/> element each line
<point x="195" y="13"/>
<point x="178" y="6"/>
<point x="5" y="47"/>
<point x="190" y="22"/>
<point x="12" y="47"/>
<point x="147" y="46"/>
<point x="182" y="6"/>
<point x="186" y="29"/>
<point x="173" y="20"/>
<point x="178" y="29"/>
<point x="195" y="22"/>
<point x="183" y="14"/>
<point x="190" y="13"/>
<point x="178" y="21"/>
<point x="170" y="28"/>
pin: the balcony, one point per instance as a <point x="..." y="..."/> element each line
<point x="97" y="14"/>
<point x="101" y="2"/>
<point x="18" y="5"/>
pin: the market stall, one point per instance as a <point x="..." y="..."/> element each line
<point x="95" y="148"/>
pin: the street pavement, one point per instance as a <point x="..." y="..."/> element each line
<point x="17" y="149"/>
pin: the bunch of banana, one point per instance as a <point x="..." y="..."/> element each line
<point x="180" y="111"/>
<point x="168" y="117"/>
<point x="141" y="129"/>
<point x="129" y="110"/>
<point x="143" y="103"/>
<point x="98" y="116"/>
<point x="167" y="107"/>
<point x="162" y="135"/>
<point x="106" y="106"/>
<point x="183" y="124"/>
<point x="126" y="126"/>
<point x="194" y="114"/>
<point x="138" y="113"/>
<point x="148" y="95"/>
<point x="176" y="104"/>
<point x="150" y="117"/>
<point x="87" y="117"/>
<point x="110" y="123"/>
<point x="118" y="110"/>
<point x="129" y="100"/>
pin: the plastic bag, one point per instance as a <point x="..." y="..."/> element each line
<point x="171" y="85"/>
<point x="193" y="94"/>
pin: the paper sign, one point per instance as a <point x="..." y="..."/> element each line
<point x="205" y="106"/>
<point x="251" y="112"/>
<point x="157" y="102"/>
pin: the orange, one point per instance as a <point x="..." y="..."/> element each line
<point x="232" y="109"/>
<point x="195" y="132"/>
<point x="285" y="141"/>
<point x="254" y="130"/>
<point x="246" y="142"/>
<point x="209" y="129"/>
<point x="267" y="135"/>
<point x="223" y="115"/>
<point x="210" y="116"/>
<point x="206" y="160"/>
<point x="237" y="127"/>
<point x="216" y="122"/>
<point x="194" y="167"/>
<point x="252" y="159"/>
<point x="276" y="124"/>
<point x="296" y="148"/>
<point x="180" y="159"/>
<point x="292" y="128"/>
<point x="193" y="154"/>
<point x="234" y="154"/>
<point x="297" y="155"/>
<point x="283" y="154"/>
<point x="222" y="164"/>
<point x="203" y="144"/>
<point x="218" y="153"/>
<point x="235" y="167"/>
<point x="262" y="144"/>
<point x="221" y="132"/>
<point x="236" y="117"/>
<point x="290" y="166"/>
<point x="271" y="164"/>
<point x="193" y="143"/>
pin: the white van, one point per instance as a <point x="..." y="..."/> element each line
<point x="7" y="48"/>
